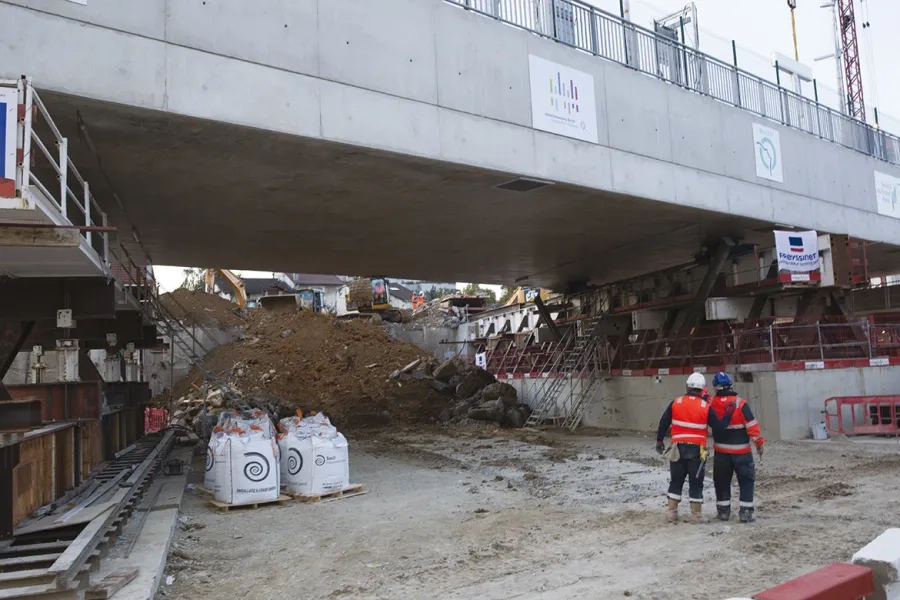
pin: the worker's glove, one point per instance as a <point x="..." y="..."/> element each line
<point x="660" y="447"/>
<point x="759" y="447"/>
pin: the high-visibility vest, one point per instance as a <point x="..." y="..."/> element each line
<point x="690" y="415"/>
<point x="736" y="438"/>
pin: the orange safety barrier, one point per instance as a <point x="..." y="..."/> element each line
<point x="837" y="581"/>
<point x="863" y="415"/>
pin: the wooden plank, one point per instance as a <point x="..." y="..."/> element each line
<point x="348" y="492"/>
<point x="222" y="507"/>
<point x="111" y="584"/>
<point x="43" y="592"/>
<point x="41" y="548"/>
<point x="19" y="575"/>
<point x="22" y="561"/>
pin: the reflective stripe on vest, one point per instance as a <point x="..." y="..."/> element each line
<point x="689" y="425"/>
<point x="733" y="448"/>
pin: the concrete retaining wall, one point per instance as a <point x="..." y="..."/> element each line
<point x="787" y="404"/>
<point x="443" y="342"/>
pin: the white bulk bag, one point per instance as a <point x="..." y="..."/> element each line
<point x="214" y="456"/>
<point x="249" y="472"/>
<point x="298" y="460"/>
<point x="331" y="465"/>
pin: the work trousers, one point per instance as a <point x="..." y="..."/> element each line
<point x="725" y="466"/>
<point x="687" y="467"/>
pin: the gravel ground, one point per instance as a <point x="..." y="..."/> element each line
<point x="458" y="514"/>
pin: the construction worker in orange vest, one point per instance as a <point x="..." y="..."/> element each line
<point x="689" y="416"/>
<point x="734" y="455"/>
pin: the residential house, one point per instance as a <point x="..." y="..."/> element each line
<point x="329" y="285"/>
<point x="401" y="296"/>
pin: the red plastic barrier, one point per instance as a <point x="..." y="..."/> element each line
<point x="865" y="415"/>
<point x="838" y="581"/>
<point x="155" y="419"/>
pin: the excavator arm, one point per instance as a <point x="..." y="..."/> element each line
<point x="234" y="282"/>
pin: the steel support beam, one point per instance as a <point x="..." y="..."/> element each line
<point x="698" y="304"/>
<point x="12" y="337"/>
<point x="20" y="415"/>
<point x="759" y="301"/>
<point x="34" y="299"/>
<point x="128" y="326"/>
<point x="546" y="318"/>
<point x="9" y="458"/>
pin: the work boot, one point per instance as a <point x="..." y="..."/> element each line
<point x="724" y="513"/>
<point x="697" y="513"/>
<point x="746" y="515"/>
<point x="672" y="515"/>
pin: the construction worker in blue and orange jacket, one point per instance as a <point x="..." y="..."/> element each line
<point x="734" y="455"/>
<point x="689" y="416"/>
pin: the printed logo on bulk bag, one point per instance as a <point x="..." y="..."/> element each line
<point x="257" y="468"/>
<point x="295" y="461"/>
<point x="320" y="460"/>
<point x="210" y="459"/>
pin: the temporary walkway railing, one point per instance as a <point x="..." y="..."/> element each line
<point x="42" y="155"/>
<point x="608" y="36"/>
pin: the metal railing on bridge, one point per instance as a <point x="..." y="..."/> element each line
<point x="43" y="155"/>
<point x="608" y="36"/>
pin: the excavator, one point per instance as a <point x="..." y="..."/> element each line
<point x="371" y="296"/>
<point x="233" y="281"/>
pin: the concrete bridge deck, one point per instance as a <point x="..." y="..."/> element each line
<point x="370" y="137"/>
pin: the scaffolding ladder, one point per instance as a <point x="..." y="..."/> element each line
<point x="566" y="395"/>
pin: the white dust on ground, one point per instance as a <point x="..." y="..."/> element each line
<point x="502" y="516"/>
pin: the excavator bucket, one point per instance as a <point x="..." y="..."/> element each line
<point x="286" y="303"/>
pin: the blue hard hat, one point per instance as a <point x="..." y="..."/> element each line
<point x="722" y="380"/>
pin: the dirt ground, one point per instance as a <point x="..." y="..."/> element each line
<point x="493" y="514"/>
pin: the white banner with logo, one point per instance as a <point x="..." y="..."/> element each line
<point x="798" y="251"/>
<point x="887" y="195"/>
<point x="481" y="360"/>
<point x="562" y="100"/>
<point x="767" y="149"/>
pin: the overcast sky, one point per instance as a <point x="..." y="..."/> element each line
<point x="762" y="27"/>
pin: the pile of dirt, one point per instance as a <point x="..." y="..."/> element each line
<point x="352" y="370"/>
<point x="200" y="308"/>
<point x="313" y="361"/>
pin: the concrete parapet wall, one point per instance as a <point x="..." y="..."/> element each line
<point x="426" y="78"/>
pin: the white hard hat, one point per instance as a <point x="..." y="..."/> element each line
<point x="696" y="381"/>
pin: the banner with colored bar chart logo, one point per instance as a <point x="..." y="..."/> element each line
<point x="562" y="100"/>
<point x="798" y="251"/>
<point x="9" y="100"/>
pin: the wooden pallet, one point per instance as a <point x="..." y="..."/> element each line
<point x="347" y="492"/>
<point x="222" y="507"/>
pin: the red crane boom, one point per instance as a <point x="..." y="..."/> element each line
<point x="856" y="106"/>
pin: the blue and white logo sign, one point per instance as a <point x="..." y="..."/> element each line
<point x="9" y="99"/>
<point x="767" y="149"/>
<point x="798" y="251"/>
<point x="887" y="195"/>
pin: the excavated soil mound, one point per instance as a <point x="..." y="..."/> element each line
<point x="316" y="362"/>
<point x="204" y="309"/>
